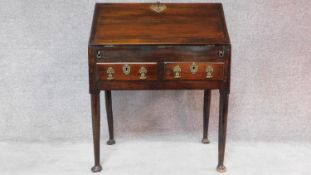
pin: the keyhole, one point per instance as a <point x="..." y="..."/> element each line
<point x="126" y="69"/>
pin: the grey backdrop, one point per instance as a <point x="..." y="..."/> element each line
<point x="44" y="77"/>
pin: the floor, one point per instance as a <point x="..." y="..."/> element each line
<point x="153" y="157"/>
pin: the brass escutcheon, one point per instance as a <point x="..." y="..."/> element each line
<point x="110" y="71"/>
<point x="158" y="7"/>
<point x="194" y="68"/>
<point x="209" y="71"/>
<point x="126" y="69"/>
<point x="143" y="72"/>
<point x="177" y="71"/>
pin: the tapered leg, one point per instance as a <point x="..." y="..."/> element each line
<point x="95" y="101"/>
<point x="111" y="140"/>
<point x="206" y="111"/>
<point x="223" y="112"/>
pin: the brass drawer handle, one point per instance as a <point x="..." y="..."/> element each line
<point x="110" y="71"/>
<point x="177" y="71"/>
<point x="143" y="72"/>
<point x="126" y="69"/>
<point x="194" y="68"/>
<point x="209" y="71"/>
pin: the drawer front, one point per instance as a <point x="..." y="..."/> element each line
<point x="161" y="53"/>
<point x="127" y="71"/>
<point x="194" y="71"/>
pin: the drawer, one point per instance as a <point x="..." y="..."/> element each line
<point x="162" y="53"/>
<point x="194" y="71"/>
<point x="127" y="71"/>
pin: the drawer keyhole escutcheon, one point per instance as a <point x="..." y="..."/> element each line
<point x="158" y="7"/>
<point x="177" y="71"/>
<point x="209" y="71"/>
<point x="110" y="71"/>
<point x="142" y="72"/>
<point x="126" y="69"/>
<point x="194" y="68"/>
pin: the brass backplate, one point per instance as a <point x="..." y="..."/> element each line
<point x="209" y="71"/>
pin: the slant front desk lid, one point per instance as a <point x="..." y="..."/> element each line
<point x="158" y="24"/>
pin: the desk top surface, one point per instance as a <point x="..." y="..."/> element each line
<point x="141" y="24"/>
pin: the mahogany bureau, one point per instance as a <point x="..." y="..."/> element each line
<point x="140" y="46"/>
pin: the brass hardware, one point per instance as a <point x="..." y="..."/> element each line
<point x="221" y="53"/>
<point x="209" y="71"/>
<point x="126" y="69"/>
<point x="194" y="68"/>
<point x="143" y="72"/>
<point x="177" y="71"/>
<point x="110" y="71"/>
<point x="99" y="54"/>
<point x="158" y="7"/>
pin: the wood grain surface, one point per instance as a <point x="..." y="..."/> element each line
<point x="133" y="23"/>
